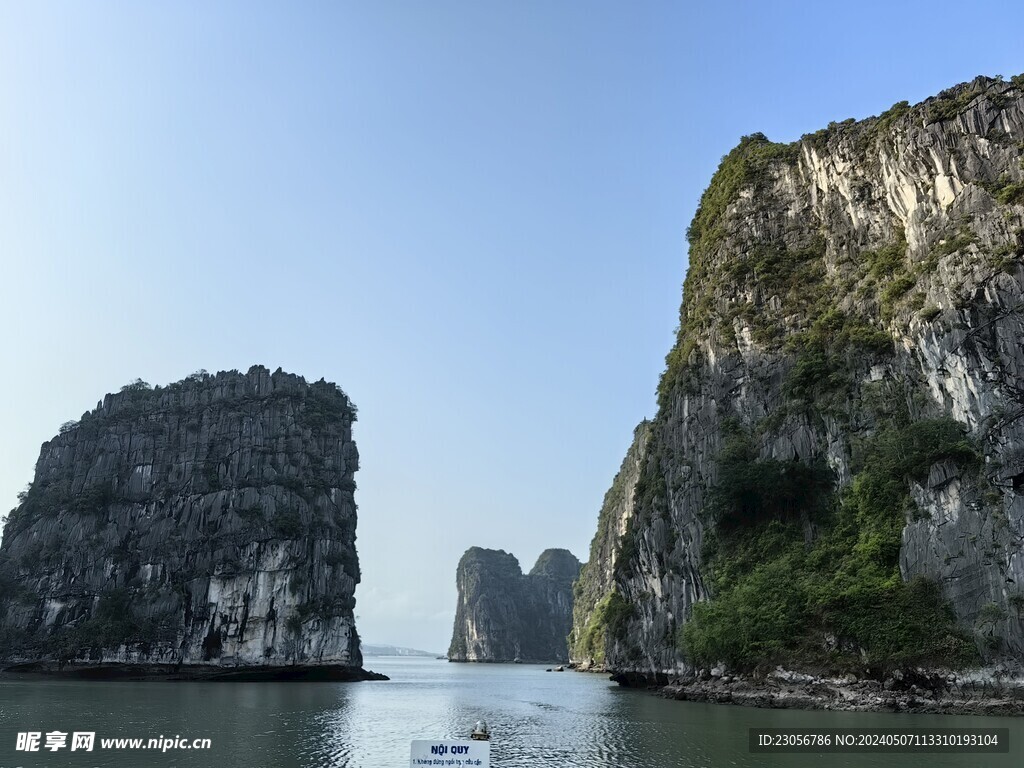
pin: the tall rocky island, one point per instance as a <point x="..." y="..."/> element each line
<point x="504" y="616"/>
<point x="205" y="529"/>
<point x="834" y="477"/>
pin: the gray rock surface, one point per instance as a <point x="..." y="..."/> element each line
<point x="503" y="615"/>
<point x="209" y="523"/>
<point x="911" y="223"/>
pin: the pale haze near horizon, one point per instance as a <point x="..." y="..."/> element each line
<point x="470" y="216"/>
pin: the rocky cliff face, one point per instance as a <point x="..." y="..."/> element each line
<point x="503" y="615"/>
<point x="210" y="522"/>
<point x="835" y="471"/>
<point x="596" y="598"/>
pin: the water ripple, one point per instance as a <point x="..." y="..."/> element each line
<point x="567" y="720"/>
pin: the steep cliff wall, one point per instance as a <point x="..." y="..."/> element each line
<point x="598" y="605"/>
<point x="834" y="474"/>
<point x="210" y="522"/>
<point x="503" y="615"/>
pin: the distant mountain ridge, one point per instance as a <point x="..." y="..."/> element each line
<point x="395" y="650"/>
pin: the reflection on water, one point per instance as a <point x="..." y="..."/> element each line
<point x="568" y="720"/>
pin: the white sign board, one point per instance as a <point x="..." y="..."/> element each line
<point x="450" y="754"/>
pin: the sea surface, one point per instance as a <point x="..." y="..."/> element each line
<point x="538" y="718"/>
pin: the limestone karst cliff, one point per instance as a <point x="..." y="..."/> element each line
<point x="834" y="475"/>
<point x="503" y="615"/>
<point x="596" y="602"/>
<point x="209" y="524"/>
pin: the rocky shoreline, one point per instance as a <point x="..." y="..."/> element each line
<point x="981" y="693"/>
<point x="195" y="672"/>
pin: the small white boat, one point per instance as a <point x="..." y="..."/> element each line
<point x="480" y="732"/>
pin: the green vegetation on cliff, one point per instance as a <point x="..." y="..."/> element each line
<point x="597" y="614"/>
<point x="745" y="166"/>
<point x="607" y="621"/>
<point x="749" y="166"/>
<point x="802" y="575"/>
<point x="114" y="622"/>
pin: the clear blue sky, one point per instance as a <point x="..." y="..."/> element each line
<point x="470" y="215"/>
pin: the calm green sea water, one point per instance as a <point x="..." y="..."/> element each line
<point x="566" y="720"/>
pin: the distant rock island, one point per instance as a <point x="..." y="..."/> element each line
<point x="205" y="529"/>
<point x="504" y="616"/>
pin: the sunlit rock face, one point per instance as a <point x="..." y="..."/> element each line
<point x="895" y="244"/>
<point x="505" y="616"/>
<point x="210" y="522"/>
